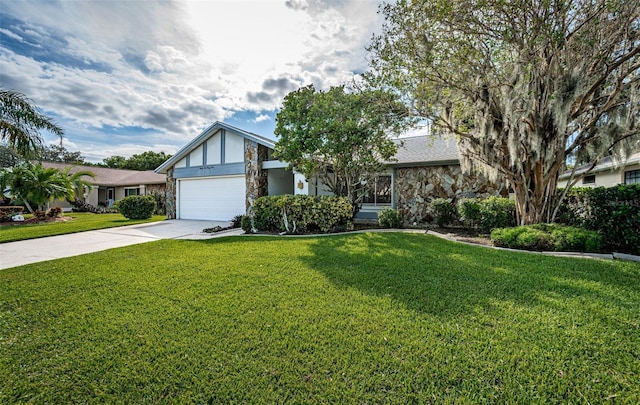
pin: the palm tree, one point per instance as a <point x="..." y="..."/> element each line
<point x="41" y="185"/>
<point x="76" y="183"/>
<point x="21" y="122"/>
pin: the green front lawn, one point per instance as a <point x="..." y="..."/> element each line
<point x="82" y="221"/>
<point x="363" y="318"/>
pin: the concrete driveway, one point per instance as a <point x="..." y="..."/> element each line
<point x="14" y="254"/>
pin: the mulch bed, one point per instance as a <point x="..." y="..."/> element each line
<point x="465" y="235"/>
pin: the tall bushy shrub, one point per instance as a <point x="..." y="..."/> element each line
<point x="614" y="212"/>
<point x="469" y="211"/>
<point x="390" y="218"/>
<point x="444" y="211"/>
<point x="137" y="206"/>
<point x="302" y="213"/>
<point x="497" y="212"/>
<point x="487" y="214"/>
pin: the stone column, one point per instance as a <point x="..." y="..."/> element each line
<point x="170" y="203"/>
<point x="255" y="177"/>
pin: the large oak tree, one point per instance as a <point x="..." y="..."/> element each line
<point x="342" y="137"/>
<point x="523" y="84"/>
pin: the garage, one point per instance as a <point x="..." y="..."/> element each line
<point x="211" y="198"/>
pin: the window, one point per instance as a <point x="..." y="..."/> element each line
<point x="131" y="191"/>
<point x="380" y="192"/>
<point x="590" y="179"/>
<point x="632" y="177"/>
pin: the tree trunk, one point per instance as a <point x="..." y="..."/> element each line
<point x="535" y="198"/>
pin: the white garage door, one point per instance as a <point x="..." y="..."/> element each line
<point x="211" y="198"/>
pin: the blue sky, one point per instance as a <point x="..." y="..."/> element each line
<point x="123" y="77"/>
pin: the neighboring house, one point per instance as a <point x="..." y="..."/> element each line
<point x="607" y="173"/>
<point x="112" y="185"/>
<point x="224" y="169"/>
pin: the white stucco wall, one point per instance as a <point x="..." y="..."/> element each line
<point x="195" y="157"/>
<point x="233" y="148"/>
<point x="605" y="178"/>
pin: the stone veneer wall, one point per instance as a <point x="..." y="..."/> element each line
<point x="160" y="190"/>
<point x="415" y="187"/>
<point x="170" y="203"/>
<point x="255" y="177"/>
<point x="155" y="188"/>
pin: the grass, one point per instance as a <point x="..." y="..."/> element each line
<point x="366" y="318"/>
<point x="83" y="221"/>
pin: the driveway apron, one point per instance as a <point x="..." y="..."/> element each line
<point x="55" y="247"/>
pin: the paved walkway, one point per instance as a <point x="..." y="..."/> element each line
<point x="14" y="254"/>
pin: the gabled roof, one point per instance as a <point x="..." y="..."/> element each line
<point x="112" y="177"/>
<point x="607" y="163"/>
<point x="425" y="150"/>
<point x="204" y="135"/>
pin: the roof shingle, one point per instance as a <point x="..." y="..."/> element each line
<point x="425" y="150"/>
<point x="113" y="177"/>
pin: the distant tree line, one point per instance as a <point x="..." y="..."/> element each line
<point x="148" y="160"/>
<point x="57" y="153"/>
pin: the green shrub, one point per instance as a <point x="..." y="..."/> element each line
<point x="245" y="224"/>
<point x="614" y="212"/>
<point x="267" y="215"/>
<point x="550" y="237"/>
<point x="302" y="214"/>
<point x="444" y="211"/>
<point x="137" y="206"/>
<point x="487" y="214"/>
<point x="236" y="222"/>
<point x="389" y="218"/>
<point x="496" y="212"/>
<point x="469" y="210"/>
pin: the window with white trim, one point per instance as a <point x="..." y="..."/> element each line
<point x="131" y="191"/>
<point x="632" y="177"/>
<point x="589" y="179"/>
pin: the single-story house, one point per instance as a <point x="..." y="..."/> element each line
<point x="607" y="173"/>
<point x="219" y="174"/>
<point x="112" y="185"/>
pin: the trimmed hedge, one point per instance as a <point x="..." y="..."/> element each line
<point x="444" y="211"/>
<point x="137" y="206"/>
<point x="469" y="211"/>
<point x="487" y="214"/>
<point x="549" y="237"/>
<point x="614" y="212"/>
<point x="302" y="214"/>
<point x="245" y="224"/>
<point x="390" y="218"/>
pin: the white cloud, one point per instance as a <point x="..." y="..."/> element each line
<point x="11" y="34"/>
<point x="262" y="117"/>
<point x="172" y="68"/>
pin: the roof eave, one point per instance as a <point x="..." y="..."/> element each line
<point x="210" y="130"/>
<point x="425" y="163"/>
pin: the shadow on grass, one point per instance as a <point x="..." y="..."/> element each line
<point x="443" y="278"/>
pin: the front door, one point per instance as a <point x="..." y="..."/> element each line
<point x="110" y="196"/>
